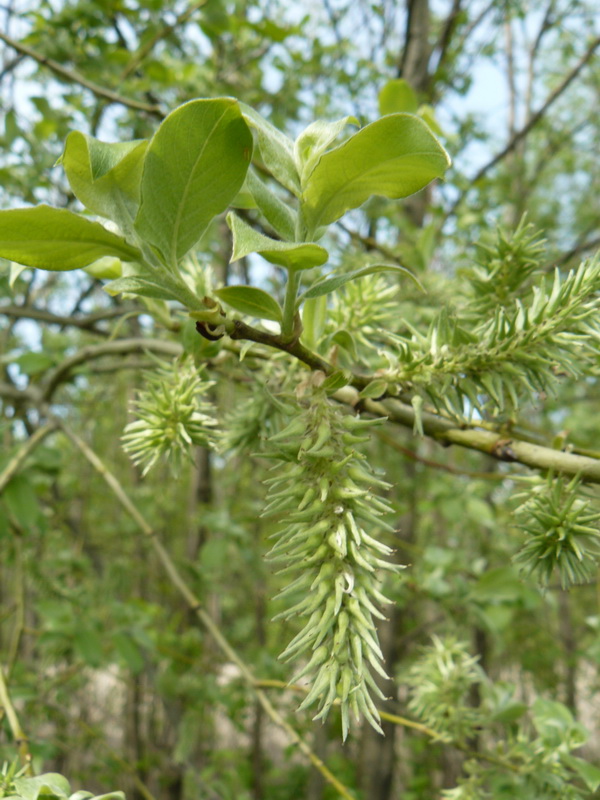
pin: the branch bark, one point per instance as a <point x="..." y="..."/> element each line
<point x="87" y="323"/>
<point x="17" y="461"/>
<point x="497" y="445"/>
<point x="119" y="347"/>
<point x="71" y="76"/>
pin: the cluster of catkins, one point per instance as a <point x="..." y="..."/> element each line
<point x="325" y="493"/>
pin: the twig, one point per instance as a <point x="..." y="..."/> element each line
<point x="13" y="466"/>
<point x="533" y="120"/>
<point x="428" y="462"/>
<point x="87" y="323"/>
<point x="19" y="626"/>
<point x="195" y="606"/>
<point x="15" y="726"/>
<point x="396" y="719"/>
<point x="575" y="251"/>
<point x="75" y="77"/>
<point x="497" y="445"/>
<point x="120" y="347"/>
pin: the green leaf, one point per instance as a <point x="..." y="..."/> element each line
<point x="21" y="500"/>
<point x="57" y="239"/>
<point x="498" y="585"/>
<point x="344" y="339"/>
<point x="395" y="156"/>
<point x="106" y="268"/>
<point x="195" y="166"/>
<point x="32" y="363"/>
<point x="510" y="713"/>
<point x="15" y="272"/>
<point x="555" y="724"/>
<point x="337" y="380"/>
<point x="374" y="389"/>
<point x="314" y="140"/>
<point x="110" y="796"/>
<point x="427" y="114"/>
<point x="397" y="95"/>
<point x="158" y="290"/>
<point x="128" y="650"/>
<point x="49" y="784"/>
<point x="291" y="255"/>
<point x="276" y="149"/>
<point x="331" y="284"/>
<point x="104" y="176"/>
<point x="251" y="301"/>
<point x="274" y="210"/>
<point x="87" y="644"/>
<point x="588" y="773"/>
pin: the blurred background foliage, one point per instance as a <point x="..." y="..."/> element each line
<point x="115" y="684"/>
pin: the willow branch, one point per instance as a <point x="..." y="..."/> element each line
<point x="428" y="462"/>
<point x="405" y="722"/>
<point x="499" y="446"/>
<point x="87" y="323"/>
<point x="15" y="726"/>
<point x="92" y="352"/>
<point x="195" y="606"/>
<point x="533" y="120"/>
<point x="494" y="444"/>
<point x="15" y="463"/>
<point x="71" y="76"/>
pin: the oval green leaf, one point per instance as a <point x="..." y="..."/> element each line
<point x="105" y="177"/>
<point x="57" y="239"/>
<point x="374" y="389"/>
<point x="194" y="168"/>
<point x="291" y="255"/>
<point x="251" y="301"/>
<point x="314" y="140"/>
<point x="397" y="95"/>
<point x="394" y="157"/>
<point x="142" y="287"/>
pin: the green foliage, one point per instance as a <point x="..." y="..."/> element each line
<point x="105" y="177"/>
<point x="195" y="165"/>
<point x="393" y="157"/>
<point x="97" y="647"/>
<point x="57" y="240"/>
<point x="290" y="255"/>
<point x="499" y="363"/>
<point x="504" y="268"/>
<point x="50" y="786"/>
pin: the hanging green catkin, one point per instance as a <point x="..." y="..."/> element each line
<point x="325" y="492"/>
